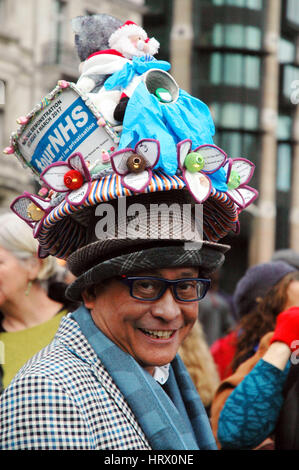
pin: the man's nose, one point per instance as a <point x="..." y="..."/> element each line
<point x="167" y="308"/>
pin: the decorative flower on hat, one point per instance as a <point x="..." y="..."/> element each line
<point x="32" y="209"/>
<point x="71" y="177"/>
<point x="197" y="164"/>
<point x="135" y="165"/>
<point x="239" y="172"/>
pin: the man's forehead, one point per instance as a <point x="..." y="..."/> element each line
<point x="164" y="272"/>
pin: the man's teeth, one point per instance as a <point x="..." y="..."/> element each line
<point x="158" y="333"/>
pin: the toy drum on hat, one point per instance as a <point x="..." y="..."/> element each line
<point x="162" y="85"/>
<point x="63" y="123"/>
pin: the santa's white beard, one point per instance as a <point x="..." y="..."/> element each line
<point x="128" y="50"/>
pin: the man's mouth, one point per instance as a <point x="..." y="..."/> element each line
<point x="158" y="334"/>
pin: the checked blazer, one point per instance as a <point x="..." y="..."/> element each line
<point x="68" y="377"/>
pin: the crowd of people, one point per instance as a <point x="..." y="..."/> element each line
<point x="246" y="379"/>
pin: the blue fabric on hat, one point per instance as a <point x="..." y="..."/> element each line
<point x="187" y="117"/>
<point x="138" y="66"/>
<point x="164" y="426"/>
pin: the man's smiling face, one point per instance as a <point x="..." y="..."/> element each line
<point x="150" y="331"/>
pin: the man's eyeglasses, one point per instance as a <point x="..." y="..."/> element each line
<point x="149" y="288"/>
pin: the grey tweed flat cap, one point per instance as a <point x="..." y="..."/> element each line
<point x="104" y="260"/>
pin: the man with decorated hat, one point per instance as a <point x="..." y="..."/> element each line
<point x="142" y="245"/>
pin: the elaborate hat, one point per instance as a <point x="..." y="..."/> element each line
<point x="87" y="165"/>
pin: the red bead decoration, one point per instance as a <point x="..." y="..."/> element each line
<point x="73" y="179"/>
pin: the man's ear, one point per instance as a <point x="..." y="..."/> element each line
<point x="89" y="297"/>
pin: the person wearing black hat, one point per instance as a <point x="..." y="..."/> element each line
<point x="247" y="404"/>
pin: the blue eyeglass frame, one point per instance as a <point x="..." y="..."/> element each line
<point x="129" y="280"/>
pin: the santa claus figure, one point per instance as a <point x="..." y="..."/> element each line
<point x="127" y="42"/>
<point x="114" y="76"/>
<point x="132" y="41"/>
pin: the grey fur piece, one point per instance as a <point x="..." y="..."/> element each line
<point x="99" y="81"/>
<point x="92" y="33"/>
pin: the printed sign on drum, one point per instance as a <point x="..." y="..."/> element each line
<point x="66" y="125"/>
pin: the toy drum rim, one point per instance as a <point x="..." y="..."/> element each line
<point x="149" y="82"/>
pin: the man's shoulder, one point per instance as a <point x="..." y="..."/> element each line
<point x="68" y="354"/>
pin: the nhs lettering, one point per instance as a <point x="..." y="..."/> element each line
<point x="64" y="136"/>
<point x="62" y="123"/>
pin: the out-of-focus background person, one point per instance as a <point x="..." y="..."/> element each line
<point x="216" y="313"/>
<point x="247" y="404"/>
<point x="32" y="300"/>
<point x="200" y="364"/>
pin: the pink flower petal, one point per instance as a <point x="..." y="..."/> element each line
<point x="119" y="161"/>
<point x="198" y="184"/>
<point x="150" y="150"/>
<point x="77" y="162"/>
<point x="227" y="168"/>
<point x="214" y="157"/>
<point x="244" y="168"/>
<point x="248" y="194"/>
<point x="183" y="148"/>
<point x="43" y="204"/>
<point x="19" y="207"/>
<point x="42" y="253"/>
<point x="37" y="228"/>
<point x="53" y="176"/>
<point x="78" y="196"/>
<point x="236" y="197"/>
<point x="137" y="182"/>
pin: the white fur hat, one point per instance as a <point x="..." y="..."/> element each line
<point x="129" y="28"/>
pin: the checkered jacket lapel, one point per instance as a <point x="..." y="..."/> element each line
<point x="71" y="336"/>
<point x="91" y="413"/>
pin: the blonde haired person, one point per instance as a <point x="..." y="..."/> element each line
<point x="29" y="314"/>
<point x="196" y="356"/>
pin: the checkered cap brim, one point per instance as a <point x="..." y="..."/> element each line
<point x="207" y="257"/>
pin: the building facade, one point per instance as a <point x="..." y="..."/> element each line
<point x="36" y="50"/>
<point x="243" y="58"/>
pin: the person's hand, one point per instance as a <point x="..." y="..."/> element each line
<point x="287" y="327"/>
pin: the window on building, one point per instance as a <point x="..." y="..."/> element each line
<point x="60" y="19"/>
<point x="252" y="4"/>
<point x="240" y="144"/>
<point x="1" y="127"/>
<point x="283" y="193"/>
<point x="2" y="11"/>
<point x="284" y="127"/>
<point x="235" y="70"/>
<point x="2" y="93"/>
<point x="292" y="11"/>
<point x="235" y="115"/>
<point x="289" y="79"/>
<point x="236" y="35"/>
<point x="286" y="51"/>
<point x="284" y="167"/>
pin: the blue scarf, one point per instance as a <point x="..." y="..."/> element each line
<point x="179" y="422"/>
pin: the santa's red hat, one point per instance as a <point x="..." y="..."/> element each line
<point x="129" y="28"/>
